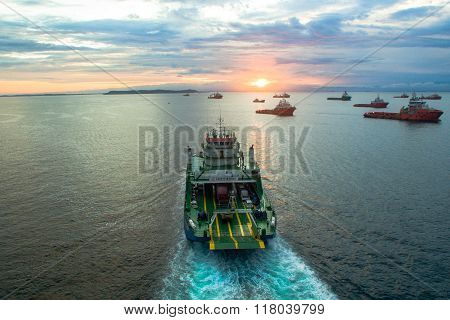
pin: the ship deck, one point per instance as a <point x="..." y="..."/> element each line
<point x="234" y="233"/>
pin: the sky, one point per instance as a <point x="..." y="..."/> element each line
<point x="73" y="45"/>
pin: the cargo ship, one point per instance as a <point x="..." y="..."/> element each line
<point x="345" y="97"/>
<point x="284" y="95"/>
<point x="283" y="109"/>
<point x="403" y="95"/>
<point x="259" y="101"/>
<point x="215" y="95"/>
<point x="377" y="103"/>
<point x="434" y="96"/>
<point x="225" y="202"/>
<point x="417" y="110"/>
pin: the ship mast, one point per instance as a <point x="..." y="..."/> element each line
<point x="220" y="123"/>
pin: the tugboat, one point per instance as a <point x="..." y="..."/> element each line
<point x="283" y="109"/>
<point x="259" y="101"/>
<point x="404" y="95"/>
<point x="284" y="95"/>
<point x="345" y="97"/>
<point x="215" y="95"/>
<point x="377" y="103"/>
<point x="225" y="203"/>
<point x="417" y="110"/>
<point x="434" y="96"/>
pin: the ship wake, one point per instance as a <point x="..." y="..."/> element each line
<point x="274" y="273"/>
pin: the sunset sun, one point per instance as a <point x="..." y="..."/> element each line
<point x="260" y="83"/>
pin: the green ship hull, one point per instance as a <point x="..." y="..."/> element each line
<point x="225" y="203"/>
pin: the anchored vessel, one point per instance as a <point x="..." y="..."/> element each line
<point x="404" y="95"/>
<point x="377" y="103"/>
<point x="433" y="96"/>
<point x="225" y="203"/>
<point x="284" y="95"/>
<point x="283" y="109"/>
<point x="417" y="110"/>
<point x="215" y="95"/>
<point x="259" y="101"/>
<point x="345" y="97"/>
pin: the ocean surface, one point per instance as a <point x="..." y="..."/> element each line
<point x="363" y="206"/>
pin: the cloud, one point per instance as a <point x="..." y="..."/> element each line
<point x="225" y="37"/>
<point x="134" y="32"/>
<point x="413" y="13"/>
<point x="326" y="25"/>
<point x="10" y="44"/>
<point x="326" y="60"/>
<point x="284" y="32"/>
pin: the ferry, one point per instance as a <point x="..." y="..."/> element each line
<point x="225" y="202"/>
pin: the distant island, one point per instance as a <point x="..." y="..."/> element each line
<point x="45" y="95"/>
<point x="156" y="91"/>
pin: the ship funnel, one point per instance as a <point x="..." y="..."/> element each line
<point x="251" y="157"/>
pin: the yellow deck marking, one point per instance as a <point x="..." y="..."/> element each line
<point x="231" y="236"/>
<point x="204" y="200"/>
<point x="240" y="223"/>
<point x="249" y="226"/>
<point x="212" y="246"/>
<point x="217" y="226"/>
<point x="217" y="221"/>
<point x="239" y="219"/>
<point x="261" y="244"/>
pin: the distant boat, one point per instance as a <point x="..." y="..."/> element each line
<point x="284" y="95"/>
<point x="404" y="95"/>
<point x="283" y="109"/>
<point x="417" y="110"/>
<point x="377" y="103"/>
<point x="216" y="95"/>
<point x="259" y="101"/>
<point x="434" y="96"/>
<point x="345" y="97"/>
<point x="186" y="95"/>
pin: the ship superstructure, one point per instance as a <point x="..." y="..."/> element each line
<point x="225" y="203"/>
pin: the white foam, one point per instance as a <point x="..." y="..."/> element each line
<point x="274" y="273"/>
